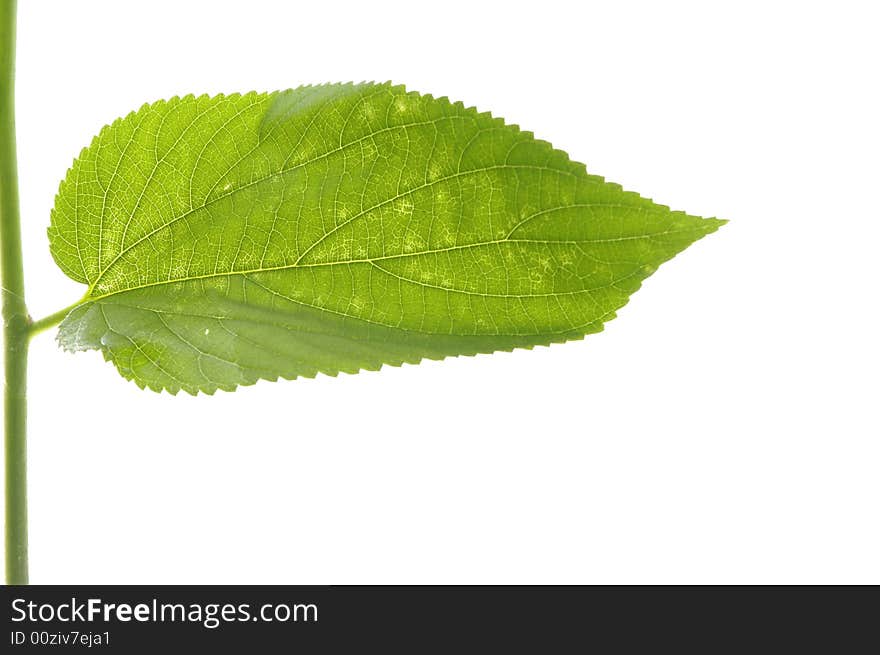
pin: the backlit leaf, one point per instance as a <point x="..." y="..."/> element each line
<point x="337" y="228"/>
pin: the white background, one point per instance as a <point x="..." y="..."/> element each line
<point x="723" y="429"/>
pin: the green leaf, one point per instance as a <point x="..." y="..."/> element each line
<point x="337" y="228"/>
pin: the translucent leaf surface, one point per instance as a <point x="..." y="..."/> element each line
<point x="337" y="228"/>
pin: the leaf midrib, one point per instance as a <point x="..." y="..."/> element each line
<point x="369" y="260"/>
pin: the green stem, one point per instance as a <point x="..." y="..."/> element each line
<point x="52" y="320"/>
<point x="15" y="316"/>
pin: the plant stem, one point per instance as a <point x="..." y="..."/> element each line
<point x="15" y="316"/>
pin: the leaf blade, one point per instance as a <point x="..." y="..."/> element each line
<point x="396" y="225"/>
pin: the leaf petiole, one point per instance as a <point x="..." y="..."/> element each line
<point x="48" y="322"/>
